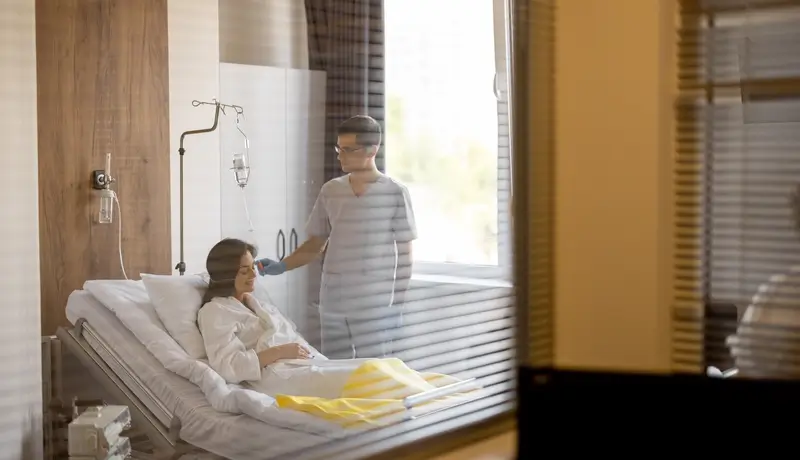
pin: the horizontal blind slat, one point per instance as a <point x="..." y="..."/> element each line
<point x="736" y="165"/>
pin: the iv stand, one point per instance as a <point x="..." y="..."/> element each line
<point x="218" y="107"/>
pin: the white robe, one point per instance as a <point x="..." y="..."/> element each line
<point x="233" y="335"/>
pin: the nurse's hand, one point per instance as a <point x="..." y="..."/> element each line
<point x="270" y="267"/>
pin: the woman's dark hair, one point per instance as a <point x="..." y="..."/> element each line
<point x="223" y="264"/>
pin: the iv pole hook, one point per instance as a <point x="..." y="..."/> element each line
<point x="246" y="140"/>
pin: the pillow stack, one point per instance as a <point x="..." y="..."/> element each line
<point x="170" y="301"/>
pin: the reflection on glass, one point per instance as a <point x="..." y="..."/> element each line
<point x="333" y="295"/>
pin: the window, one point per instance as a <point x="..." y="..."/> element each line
<point x="447" y="130"/>
<point x="738" y="165"/>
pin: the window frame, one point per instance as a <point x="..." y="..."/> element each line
<point x="503" y="269"/>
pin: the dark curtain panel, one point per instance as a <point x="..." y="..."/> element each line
<point x="346" y="41"/>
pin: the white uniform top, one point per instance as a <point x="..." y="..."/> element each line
<point x="767" y="341"/>
<point x="362" y="231"/>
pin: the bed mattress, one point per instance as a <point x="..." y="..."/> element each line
<point x="227" y="435"/>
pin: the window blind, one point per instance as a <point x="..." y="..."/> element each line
<point x="451" y="324"/>
<point x="737" y="244"/>
<point x="346" y="40"/>
<point x="501" y="88"/>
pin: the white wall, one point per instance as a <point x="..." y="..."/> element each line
<point x="613" y="177"/>
<point x="194" y="74"/>
<point x="264" y="32"/>
<point x="20" y="349"/>
<point x="196" y="28"/>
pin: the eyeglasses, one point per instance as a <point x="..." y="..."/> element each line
<point x="340" y="150"/>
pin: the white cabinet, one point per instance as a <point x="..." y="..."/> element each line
<point x="305" y="144"/>
<point x="284" y="118"/>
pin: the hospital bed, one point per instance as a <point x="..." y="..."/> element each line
<point x="172" y="411"/>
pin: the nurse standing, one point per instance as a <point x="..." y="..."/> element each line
<point x="364" y="223"/>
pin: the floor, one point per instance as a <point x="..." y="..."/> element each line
<point x="503" y="447"/>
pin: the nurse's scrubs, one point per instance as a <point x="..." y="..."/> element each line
<point x="357" y="316"/>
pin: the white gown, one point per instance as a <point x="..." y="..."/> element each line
<point x="234" y="334"/>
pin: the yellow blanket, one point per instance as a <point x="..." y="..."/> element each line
<point x="372" y="393"/>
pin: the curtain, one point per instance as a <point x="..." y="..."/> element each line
<point x="345" y="39"/>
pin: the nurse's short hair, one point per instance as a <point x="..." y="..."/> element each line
<point x="366" y="129"/>
<point x="223" y="264"/>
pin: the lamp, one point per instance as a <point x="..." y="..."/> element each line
<point x="218" y="107"/>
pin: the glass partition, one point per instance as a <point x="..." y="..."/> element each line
<point x="379" y="194"/>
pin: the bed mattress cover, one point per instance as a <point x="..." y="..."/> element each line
<point x="234" y="436"/>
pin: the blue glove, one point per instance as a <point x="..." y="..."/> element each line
<point x="270" y="267"/>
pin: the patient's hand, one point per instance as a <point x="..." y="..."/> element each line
<point x="287" y="351"/>
<point x="294" y="351"/>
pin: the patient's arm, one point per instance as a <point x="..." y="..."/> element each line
<point x="306" y="253"/>
<point x="226" y="353"/>
<point x="269" y="356"/>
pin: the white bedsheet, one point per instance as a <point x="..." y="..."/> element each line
<point x="226" y="434"/>
<point x="128" y="301"/>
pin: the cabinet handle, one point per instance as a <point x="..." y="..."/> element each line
<point x="280" y="245"/>
<point x="293" y="241"/>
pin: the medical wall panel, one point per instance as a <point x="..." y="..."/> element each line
<point x="103" y="87"/>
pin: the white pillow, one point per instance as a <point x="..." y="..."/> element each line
<point x="122" y="295"/>
<point x="177" y="300"/>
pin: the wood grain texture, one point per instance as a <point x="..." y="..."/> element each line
<point x="102" y="71"/>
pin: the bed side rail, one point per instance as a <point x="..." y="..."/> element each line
<point x="162" y="437"/>
<point x="447" y="390"/>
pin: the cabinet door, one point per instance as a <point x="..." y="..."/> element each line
<point x="305" y="141"/>
<point x="261" y="92"/>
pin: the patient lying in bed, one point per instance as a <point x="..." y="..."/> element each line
<point x="254" y="345"/>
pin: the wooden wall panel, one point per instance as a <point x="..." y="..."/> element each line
<point x="102" y="70"/>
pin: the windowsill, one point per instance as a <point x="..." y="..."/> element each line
<point x="461" y="280"/>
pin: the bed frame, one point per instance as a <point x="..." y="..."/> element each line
<point x="166" y="438"/>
